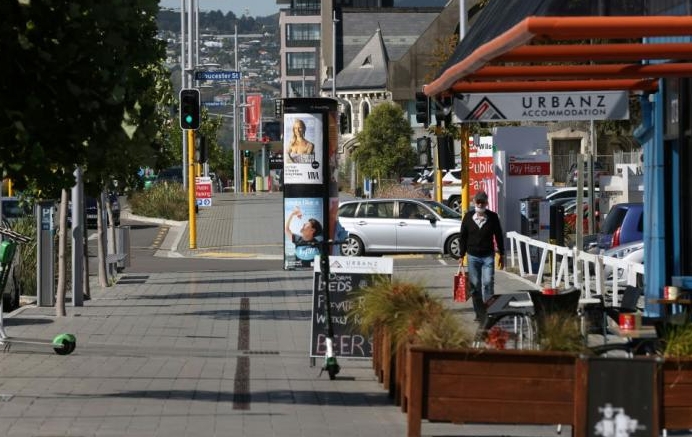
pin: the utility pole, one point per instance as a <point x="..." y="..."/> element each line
<point x="183" y="80"/>
<point x="236" y="144"/>
<point x="334" y="21"/>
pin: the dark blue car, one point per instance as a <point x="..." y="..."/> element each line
<point x="623" y="224"/>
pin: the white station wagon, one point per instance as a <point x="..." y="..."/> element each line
<point x="399" y="226"/>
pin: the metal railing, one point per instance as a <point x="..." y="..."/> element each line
<point x="570" y="267"/>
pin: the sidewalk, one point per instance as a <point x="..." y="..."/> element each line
<point x="207" y="354"/>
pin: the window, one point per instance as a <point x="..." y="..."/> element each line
<point x="299" y="60"/>
<point x="299" y="88"/>
<point x="347" y="210"/>
<point x="303" y="32"/>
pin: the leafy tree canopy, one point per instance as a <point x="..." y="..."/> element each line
<point x="385" y="149"/>
<point x="80" y="80"/>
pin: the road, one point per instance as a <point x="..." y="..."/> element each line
<point x="146" y="238"/>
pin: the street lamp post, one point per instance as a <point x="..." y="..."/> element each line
<point x="236" y="144"/>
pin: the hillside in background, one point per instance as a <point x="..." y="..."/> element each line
<point x="218" y="22"/>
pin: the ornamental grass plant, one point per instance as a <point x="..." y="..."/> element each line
<point x="677" y="341"/>
<point x="444" y="332"/>
<point x="561" y="333"/>
<point x="163" y="200"/>
<point x="401" y="307"/>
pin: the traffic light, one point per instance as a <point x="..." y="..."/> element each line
<point x="423" y="148"/>
<point x="445" y="152"/>
<point x="443" y="111"/>
<point x="247" y="153"/>
<point x="278" y="108"/>
<point x="189" y="108"/>
<point x="422" y="109"/>
<point x="201" y="148"/>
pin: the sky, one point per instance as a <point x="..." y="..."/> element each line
<point x="253" y="8"/>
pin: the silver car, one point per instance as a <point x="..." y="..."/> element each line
<point x="399" y="226"/>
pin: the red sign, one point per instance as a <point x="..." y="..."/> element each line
<point x="202" y="188"/>
<point x="253" y="116"/>
<point x="529" y="165"/>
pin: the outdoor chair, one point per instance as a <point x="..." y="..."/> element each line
<point x="510" y="313"/>
<point x="566" y="303"/>
<point x="628" y="303"/>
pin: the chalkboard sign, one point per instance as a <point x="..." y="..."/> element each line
<point x="622" y="397"/>
<point x="347" y="275"/>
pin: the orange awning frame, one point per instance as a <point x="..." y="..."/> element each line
<point x="509" y="63"/>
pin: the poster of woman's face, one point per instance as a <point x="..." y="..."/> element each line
<point x="303" y="148"/>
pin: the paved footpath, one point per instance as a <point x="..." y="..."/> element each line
<point x="205" y="354"/>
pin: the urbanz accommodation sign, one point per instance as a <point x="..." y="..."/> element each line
<point x="602" y="105"/>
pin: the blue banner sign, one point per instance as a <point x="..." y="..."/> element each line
<point x="217" y="75"/>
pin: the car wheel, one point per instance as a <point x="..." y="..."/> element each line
<point x="352" y="247"/>
<point x="453" y="246"/>
<point x="454" y="202"/>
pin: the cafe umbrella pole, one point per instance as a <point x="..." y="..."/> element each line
<point x="330" y="364"/>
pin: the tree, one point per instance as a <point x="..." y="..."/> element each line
<point x="385" y="143"/>
<point x="79" y="89"/>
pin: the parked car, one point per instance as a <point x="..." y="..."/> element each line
<point x="557" y="195"/>
<point x="598" y="171"/>
<point x="570" y="217"/>
<point x="451" y="188"/>
<point x="90" y="210"/>
<point x="399" y="226"/>
<point x="170" y="174"/>
<point x="632" y="252"/>
<point x="417" y="175"/>
<point x="623" y="224"/>
<point x="13" y="208"/>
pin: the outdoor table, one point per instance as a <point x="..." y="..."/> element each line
<point x="684" y="303"/>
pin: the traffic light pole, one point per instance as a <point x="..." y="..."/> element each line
<point x="245" y="181"/>
<point x="465" y="200"/>
<point x="191" y="188"/>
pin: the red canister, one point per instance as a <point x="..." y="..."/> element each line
<point x="627" y="321"/>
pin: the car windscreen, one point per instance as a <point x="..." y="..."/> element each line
<point x="442" y="210"/>
<point x="347" y="210"/>
<point x="613" y="220"/>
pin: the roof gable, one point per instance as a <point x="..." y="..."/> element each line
<point x="367" y="70"/>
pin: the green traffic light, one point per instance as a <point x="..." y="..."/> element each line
<point x="188" y="118"/>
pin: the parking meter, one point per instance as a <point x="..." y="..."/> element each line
<point x="45" y="247"/>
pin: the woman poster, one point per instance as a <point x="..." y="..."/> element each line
<point x="303" y="149"/>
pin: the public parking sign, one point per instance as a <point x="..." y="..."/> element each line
<point x="203" y="191"/>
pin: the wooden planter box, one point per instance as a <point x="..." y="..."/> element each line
<point x="677" y="394"/>
<point x="382" y="356"/>
<point x="491" y="386"/>
<point x="389" y="364"/>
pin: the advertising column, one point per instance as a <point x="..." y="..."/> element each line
<point x="310" y="178"/>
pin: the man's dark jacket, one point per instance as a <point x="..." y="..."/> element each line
<point x="479" y="241"/>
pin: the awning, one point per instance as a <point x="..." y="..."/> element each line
<point x="568" y="53"/>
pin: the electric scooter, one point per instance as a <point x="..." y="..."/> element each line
<point x="62" y="344"/>
<point x="330" y="364"/>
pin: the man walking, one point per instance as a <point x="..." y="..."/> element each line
<point x="481" y="236"/>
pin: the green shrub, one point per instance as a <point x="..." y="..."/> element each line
<point x="165" y="200"/>
<point x="24" y="271"/>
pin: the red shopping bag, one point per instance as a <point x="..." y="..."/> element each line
<point x="462" y="293"/>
